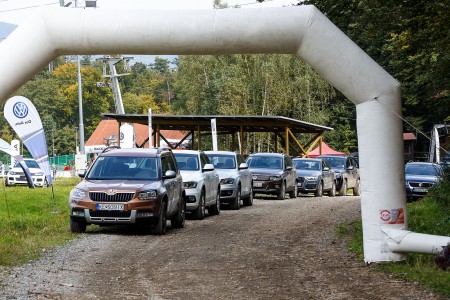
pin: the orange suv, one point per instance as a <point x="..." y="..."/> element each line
<point x="130" y="186"/>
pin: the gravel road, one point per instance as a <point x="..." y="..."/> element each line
<point x="273" y="250"/>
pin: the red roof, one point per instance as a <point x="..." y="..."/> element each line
<point x="326" y="150"/>
<point x="409" y="136"/>
<point x="106" y="128"/>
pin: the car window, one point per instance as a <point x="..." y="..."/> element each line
<point x="423" y="169"/>
<point x="336" y="162"/>
<point x="187" y="161"/>
<point x="265" y="162"/>
<point x="287" y="162"/>
<point x="222" y="161"/>
<point x="172" y="165"/>
<point x="30" y="164"/>
<point x="123" y="168"/>
<point x="240" y="159"/>
<point x="307" y="164"/>
<point x="204" y="159"/>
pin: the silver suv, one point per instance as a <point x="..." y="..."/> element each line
<point x="130" y="186"/>
<point x="201" y="182"/>
<point x="235" y="178"/>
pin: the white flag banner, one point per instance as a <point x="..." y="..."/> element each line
<point x="214" y="134"/>
<point x="8" y="149"/>
<point x="24" y="119"/>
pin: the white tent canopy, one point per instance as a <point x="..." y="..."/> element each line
<point x="303" y="31"/>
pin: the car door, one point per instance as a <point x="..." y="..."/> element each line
<point x="245" y="175"/>
<point x="352" y="172"/>
<point x="172" y="185"/>
<point x="290" y="170"/>
<point x="208" y="178"/>
<point x="327" y="175"/>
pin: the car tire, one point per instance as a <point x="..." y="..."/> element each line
<point x="282" y="193"/>
<point x="236" y="205"/>
<point x="293" y="193"/>
<point x="180" y="217"/>
<point x="343" y="189"/>
<point x="357" y="188"/>
<point x="214" y="209"/>
<point x="77" y="226"/>
<point x="249" y="200"/>
<point x="332" y="192"/>
<point x="159" y="228"/>
<point x="199" y="213"/>
<point x="319" y="190"/>
<point x="45" y="185"/>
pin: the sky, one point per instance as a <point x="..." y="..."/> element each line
<point x="16" y="11"/>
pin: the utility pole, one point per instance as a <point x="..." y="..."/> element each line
<point x="112" y="62"/>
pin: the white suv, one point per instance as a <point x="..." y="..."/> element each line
<point x="201" y="182"/>
<point x="235" y="178"/>
<point x="16" y="175"/>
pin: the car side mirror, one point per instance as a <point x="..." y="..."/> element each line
<point x="170" y="174"/>
<point x="243" y="166"/>
<point x="208" y="168"/>
<point x="350" y="168"/>
<point x="289" y="168"/>
<point x="326" y="169"/>
<point x="81" y="173"/>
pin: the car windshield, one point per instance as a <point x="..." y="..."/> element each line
<point x="187" y="162"/>
<point x="30" y="164"/>
<point x="336" y="162"/>
<point x="265" y="162"/>
<point x="123" y="168"/>
<point x="307" y="164"/>
<point x="222" y="161"/>
<point x="423" y="169"/>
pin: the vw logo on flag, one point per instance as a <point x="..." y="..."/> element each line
<point x="20" y="110"/>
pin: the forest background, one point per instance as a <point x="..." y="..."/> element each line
<point x="409" y="39"/>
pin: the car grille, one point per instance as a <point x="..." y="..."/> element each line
<point x="261" y="177"/>
<point x="103" y="197"/>
<point x="110" y="214"/>
<point x="421" y="184"/>
<point x="301" y="179"/>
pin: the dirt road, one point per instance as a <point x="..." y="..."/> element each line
<point x="272" y="250"/>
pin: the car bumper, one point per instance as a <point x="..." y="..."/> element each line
<point x="267" y="187"/>
<point x="227" y="193"/>
<point x="21" y="180"/>
<point x="307" y="186"/>
<point x="192" y="198"/>
<point x="416" y="192"/>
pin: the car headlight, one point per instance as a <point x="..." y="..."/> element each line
<point x="227" y="181"/>
<point x="38" y="174"/>
<point x="274" y="178"/>
<point x="309" y="178"/>
<point x="77" y="194"/>
<point x="190" y="184"/>
<point x="147" y="195"/>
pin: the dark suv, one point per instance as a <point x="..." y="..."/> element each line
<point x="130" y="186"/>
<point x="273" y="174"/>
<point x="347" y="173"/>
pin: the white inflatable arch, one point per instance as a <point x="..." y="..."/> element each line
<point x="303" y="31"/>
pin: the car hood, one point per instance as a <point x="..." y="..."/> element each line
<point x="266" y="171"/>
<point x="32" y="170"/>
<point x="129" y="185"/>
<point x="426" y="178"/>
<point x="191" y="175"/>
<point x="313" y="173"/>
<point x="227" y="173"/>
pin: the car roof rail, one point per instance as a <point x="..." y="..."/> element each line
<point x="109" y="148"/>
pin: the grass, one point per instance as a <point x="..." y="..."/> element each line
<point x="424" y="216"/>
<point x="31" y="222"/>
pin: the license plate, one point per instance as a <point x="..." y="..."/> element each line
<point x="257" y="184"/>
<point x="420" y="190"/>
<point x="100" y="206"/>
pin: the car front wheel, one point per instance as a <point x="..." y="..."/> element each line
<point x="357" y="188"/>
<point x="249" y="200"/>
<point x="159" y="228"/>
<point x="214" y="210"/>
<point x="179" y="219"/>
<point x="236" y="205"/>
<point x="77" y="226"/>
<point x="332" y="192"/>
<point x="282" y="192"/>
<point x="293" y="194"/>
<point x="199" y="213"/>
<point x="319" y="191"/>
<point x="343" y="190"/>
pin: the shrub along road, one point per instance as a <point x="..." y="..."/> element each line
<point x="274" y="249"/>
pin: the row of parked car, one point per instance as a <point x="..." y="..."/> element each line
<point x="151" y="186"/>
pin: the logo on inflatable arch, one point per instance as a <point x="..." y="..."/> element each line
<point x="20" y="110"/>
